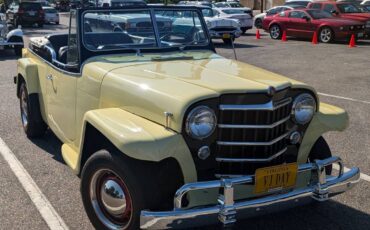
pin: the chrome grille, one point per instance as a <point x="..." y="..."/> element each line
<point x="251" y="136"/>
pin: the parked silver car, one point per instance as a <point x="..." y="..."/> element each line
<point x="51" y="15"/>
<point x="10" y="39"/>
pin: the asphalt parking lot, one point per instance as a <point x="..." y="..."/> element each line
<point x="340" y="74"/>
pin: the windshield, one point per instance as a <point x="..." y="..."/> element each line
<point x="348" y="8"/>
<point x="133" y="29"/>
<point x="235" y="5"/>
<point x="318" y="14"/>
<point x="207" y="12"/>
<point x="233" y="11"/>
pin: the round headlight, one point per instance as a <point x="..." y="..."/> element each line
<point x="304" y="107"/>
<point x="201" y="122"/>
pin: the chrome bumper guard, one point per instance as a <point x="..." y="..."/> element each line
<point x="227" y="211"/>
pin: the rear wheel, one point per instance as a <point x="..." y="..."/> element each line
<point x="243" y="29"/>
<point x="320" y="151"/>
<point x="258" y="23"/>
<point x="326" y="35"/>
<point x="275" y="31"/>
<point x="228" y="41"/>
<point x="32" y="122"/>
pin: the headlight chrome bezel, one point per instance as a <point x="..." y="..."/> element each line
<point x="192" y="114"/>
<point x="299" y="99"/>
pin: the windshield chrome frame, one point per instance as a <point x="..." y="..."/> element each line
<point x="155" y="28"/>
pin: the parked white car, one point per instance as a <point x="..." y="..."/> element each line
<point x="51" y="15"/>
<point x="10" y="39"/>
<point x="221" y="28"/>
<point x="245" y="20"/>
<point x="274" y="10"/>
<point x="235" y="5"/>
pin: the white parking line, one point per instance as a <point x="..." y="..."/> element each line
<point x="48" y="213"/>
<point x="362" y="175"/>
<point x="344" y="98"/>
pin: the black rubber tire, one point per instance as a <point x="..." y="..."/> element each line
<point x="104" y="159"/>
<point x="258" y="23"/>
<point x="280" y="34"/>
<point x="35" y="127"/>
<point x="227" y="41"/>
<point x="18" y="50"/>
<point x="57" y="23"/>
<point x="320" y="151"/>
<point x="244" y="30"/>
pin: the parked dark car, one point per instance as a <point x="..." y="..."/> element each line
<point x="26" y="13"/>
<point x="62" y="6"/>
<point x="304" y="22"/>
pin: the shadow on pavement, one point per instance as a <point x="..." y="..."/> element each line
<point x="236" y="45"/>
<point x="326" y="215"/>
<point x="50" y="144"/>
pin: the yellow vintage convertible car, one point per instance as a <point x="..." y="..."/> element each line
<point x="164" y="132"/>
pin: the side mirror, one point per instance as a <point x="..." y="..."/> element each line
<point x="306" y="18"/>
<point x="334" y="12"/>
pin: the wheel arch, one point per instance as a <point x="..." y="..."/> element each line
<point x="28" y="72"/>
<point x="134" y="136"/>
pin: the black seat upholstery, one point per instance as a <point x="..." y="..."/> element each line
<point x="58" y="40"/>
<point x="97" y="39"/>
<point x="62" y="54"/>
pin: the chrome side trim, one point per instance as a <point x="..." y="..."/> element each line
<point x="228" y="210"/>
<point x="273" y="125"/>
<point x="269" y="106"/>
<point x="221" y="159"/>
<point x="233" y="143"/>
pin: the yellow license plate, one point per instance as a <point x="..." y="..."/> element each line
<point x="226" y="36"/>
<point x="275" y="178"/>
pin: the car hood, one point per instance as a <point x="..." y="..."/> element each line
<point x="220" y="22"/>
<point x="340" y="21"/>
<point x="152" y="84"/>
<point x="357" y="16"/>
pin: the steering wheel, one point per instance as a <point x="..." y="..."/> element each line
<point x="167" y="36"/>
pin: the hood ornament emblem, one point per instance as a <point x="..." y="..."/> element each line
<point x="271" y="91"/>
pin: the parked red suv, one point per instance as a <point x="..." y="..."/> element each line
<point x="344" y="10"/>
<point x="26" y="13"/>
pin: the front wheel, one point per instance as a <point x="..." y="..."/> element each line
<point x="321" y="151"/>
<point x="110" y="192"/>
<point x="326" y="35"/>
<point x="275" y="32"/>
<point x="18" y="50"/>
<point x="243" y="29"/>
<point x="32" y="122"/>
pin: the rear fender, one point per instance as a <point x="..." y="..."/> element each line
<point x="29" y="71"/>
<point x="140" y="139"/>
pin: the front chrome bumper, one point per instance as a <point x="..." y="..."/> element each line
<point x="227" y="211"/>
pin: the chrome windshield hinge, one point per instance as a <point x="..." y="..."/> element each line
<point x="168" y="116"/>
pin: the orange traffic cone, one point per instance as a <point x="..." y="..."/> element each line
<point x="352" y="42"/>
<point x="258" y="36"/>
<point x="283" y="38"/>
<point x="314" y="38"/>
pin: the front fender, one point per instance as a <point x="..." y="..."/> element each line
<point x="15" y="32"/>
<point x="29" y="70"/>
<point x="141" y="139"/>
<point x="328" y="118"/>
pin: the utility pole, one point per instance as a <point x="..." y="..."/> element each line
<point x="261" y="6"/>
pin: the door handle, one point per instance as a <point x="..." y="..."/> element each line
<point x="49" y="77"/>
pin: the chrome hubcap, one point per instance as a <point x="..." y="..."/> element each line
<point x="113" y="198"/>
<point x="24" y="109"/>
<point x="110" y="199"/>
<point x="275" y="32"/>
<point x="325" y="35"/>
